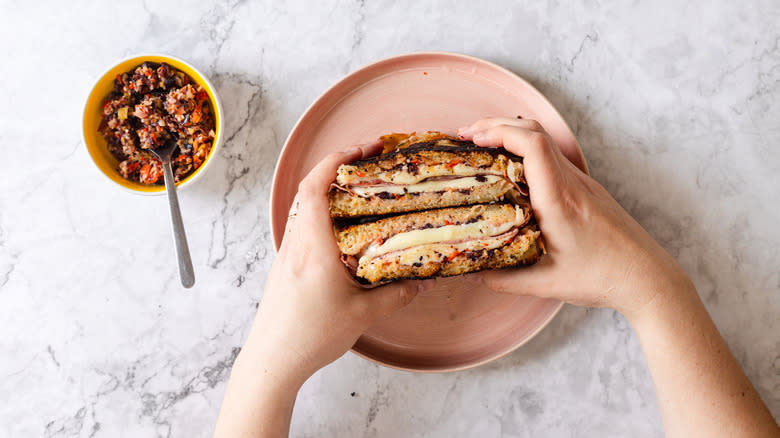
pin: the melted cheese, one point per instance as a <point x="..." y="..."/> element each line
<point x="428" y="172"/>
<point x="447" y="233"/>
<point x="427" y="186"/>
<point x="440" y="252"/>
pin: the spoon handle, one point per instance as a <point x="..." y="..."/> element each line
<point x="186" y="273"/>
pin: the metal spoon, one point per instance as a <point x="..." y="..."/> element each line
<point x="186" y="273"/>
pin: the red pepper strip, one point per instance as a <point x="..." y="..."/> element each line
<point x="360" y="174"/>
<point x="453" y="255"/>
<point x="453" y="163"/>
<point x="447" y="222"/>
<point x="145" y="173"/>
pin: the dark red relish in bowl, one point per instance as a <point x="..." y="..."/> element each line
<point x="150" y="106"/>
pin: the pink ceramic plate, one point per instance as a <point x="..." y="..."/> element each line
<point x="459" y="324"/>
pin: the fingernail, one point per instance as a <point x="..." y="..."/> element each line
<point x="352" y="151"/>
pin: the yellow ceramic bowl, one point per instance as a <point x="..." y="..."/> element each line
<point x="96" y="144"/>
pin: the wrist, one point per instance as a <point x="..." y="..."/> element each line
<point x="258" y="401"/>
<point x="264" y="371"/>
<point x="274" y="358"/>
<point x="658" y="295"/>
<point x="654" y="283"/>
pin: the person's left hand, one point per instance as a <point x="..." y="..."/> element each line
<point x="312" y="310"/>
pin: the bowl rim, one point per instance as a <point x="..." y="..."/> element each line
<point x="218" y="138"/>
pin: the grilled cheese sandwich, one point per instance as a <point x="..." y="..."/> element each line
<point x="456" y="208"/>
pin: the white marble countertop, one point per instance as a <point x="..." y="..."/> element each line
<point x="676" y="106"/>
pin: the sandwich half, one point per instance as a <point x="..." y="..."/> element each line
<point x="438" y="173"/>
<point x="440" y="243"/>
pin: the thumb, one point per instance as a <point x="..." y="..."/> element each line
<point x="313" y="189"/>
<point x="385" y="300"/>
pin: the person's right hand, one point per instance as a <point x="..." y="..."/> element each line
<point x="597" y="254"/>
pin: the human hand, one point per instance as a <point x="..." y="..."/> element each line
<point x="597" y="254"/>
<point x="312" y="310"/>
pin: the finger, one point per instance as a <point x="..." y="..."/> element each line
<point x="484" y="124"/>
<point x="313" y="189"/>
<point x="516" y="139"/>
<point x="536" y="280"/>
<point x="371" y="149"/>
<point x="317" y="181"/>
<point x="385" y="300"/>
<point x="540" y="155"/>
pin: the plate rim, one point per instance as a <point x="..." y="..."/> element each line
<point x="395" y="58"/>
<point x="469" y="365"/>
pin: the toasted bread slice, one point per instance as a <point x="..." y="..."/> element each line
<point x="523" y="249"/>
<point x="441" y="242"/>
<point x="345" y="205"/>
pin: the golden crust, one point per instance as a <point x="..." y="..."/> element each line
<point x="393" y="142"/>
